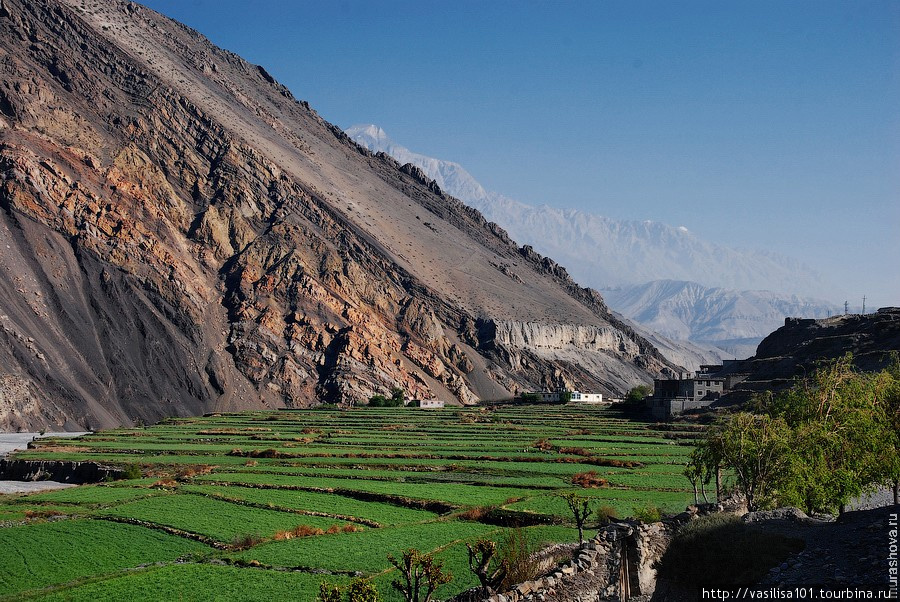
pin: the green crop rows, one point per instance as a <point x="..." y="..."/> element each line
<point x="265" y="505"/>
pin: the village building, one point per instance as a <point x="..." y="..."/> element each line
<point x="573" y="396"/>
<point x="429" y="403"/>
<point x="674" y="396"/>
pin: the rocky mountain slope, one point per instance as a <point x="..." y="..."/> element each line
<point x="795" y="349"/>
<point x="647" y="270"/>
<point x="734" y="321"/>
<point x="178" y="235"/>
<point x="603" y="252"/>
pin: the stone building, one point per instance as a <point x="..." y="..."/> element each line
<point x="675" y="396"/>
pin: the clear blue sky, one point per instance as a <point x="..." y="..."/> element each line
<point x="772" y="125"/>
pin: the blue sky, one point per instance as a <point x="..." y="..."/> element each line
<point x="771" y="125"/>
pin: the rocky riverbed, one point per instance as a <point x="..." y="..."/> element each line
<point x="10" y="442"/>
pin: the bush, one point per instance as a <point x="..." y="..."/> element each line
<point x="246" y="541"/>
<point x="647" y="514"/>
<point x="517" y="554"/>
<point x="637" y="394"/>
<point x="605" y="515"/>
<point x="132" y="471"/>
<point x="543" y="444"/>
<point x="329" y="592"/>
<point x="589" y="480"/>
<point x="721" y="550"/>
<point x="362" y="590"/>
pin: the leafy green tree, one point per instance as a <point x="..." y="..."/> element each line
<point x="378" y="401"/>
<point x="418" y="571"/>
<point x="398" y="397"/>
<point x="827" y="439"/>
<point x="637" y="394"/>
<point x="565" y="396"/>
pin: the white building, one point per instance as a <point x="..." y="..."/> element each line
<point x="579" y="397"/>
<point x="574" y="396"/>
<point x="431" y="403"/>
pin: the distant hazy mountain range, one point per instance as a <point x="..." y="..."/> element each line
<point x="664" y="277"/>
<point x="734" y="321"/>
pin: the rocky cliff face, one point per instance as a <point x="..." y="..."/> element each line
<point x="795" y="349"/>
<point x="178" y="234"/>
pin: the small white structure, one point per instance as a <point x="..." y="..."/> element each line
<point x="431" y="403"/>
<point x="579" y="397"/>
<point x="574" y="396"/>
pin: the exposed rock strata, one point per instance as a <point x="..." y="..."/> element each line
<point x="798" y="347"/>
<point x="178" y="234"/>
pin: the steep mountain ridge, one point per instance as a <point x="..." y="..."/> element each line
<point x="182" y="236"/>
<point x="604" y="252"/>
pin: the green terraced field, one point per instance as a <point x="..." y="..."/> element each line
<point x="321" y="490"/>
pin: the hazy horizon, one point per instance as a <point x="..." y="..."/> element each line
<point x="766" y="126"/>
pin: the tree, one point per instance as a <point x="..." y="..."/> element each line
<point x="843" y="438"/>
<point x="418" y="570"/>
<point x="565" y="396"/>
<point x="378" y="401"/>
<point x="637" y="394"/>
<point x="827" y="439"/>
<point x="398" y="397"/>
<point x="757" y="448"/>
<point x="580" y="506"/>
<point x="482" y="563"/>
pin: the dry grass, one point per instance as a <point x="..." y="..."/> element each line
<point x="589" y="480"/>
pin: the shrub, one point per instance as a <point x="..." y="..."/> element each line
<point x="580" y="432"/>
<point x="475" y="514"/>
<point x="186" y="472"/>
<point x="605" y="515"/>
<point x="720" y="549"/>
<point x="647" y="514"/>
<point x="589" y="480"/>
<point x="329" y="592"/>
<point x="246" y="541"/>
<point x="164" y="484"/>
<point x="574" y="451"/>
<point x="362" y="590"/>
<point x="543" y="444"/>
<point x="517" y="554"/>
<point x="41" y="514"/>
<point x="132" y="471"/>
<point x="306" y="531"/>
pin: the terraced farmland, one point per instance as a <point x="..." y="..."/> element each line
<point x="251" y="505"/>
